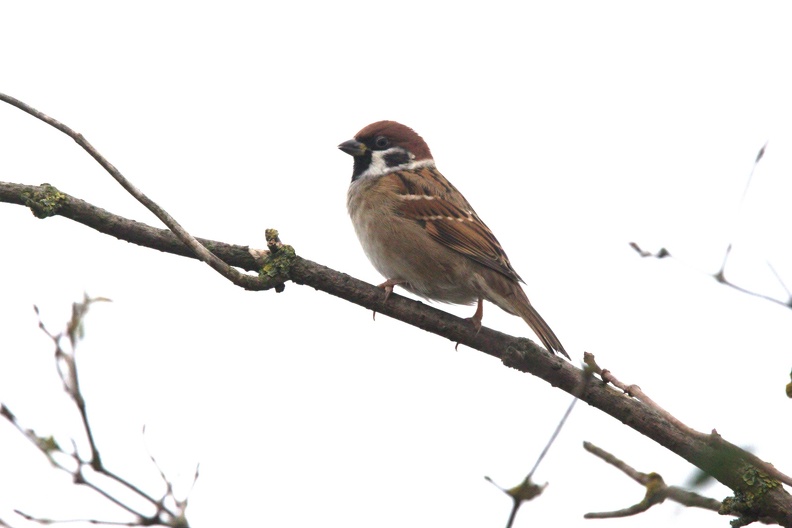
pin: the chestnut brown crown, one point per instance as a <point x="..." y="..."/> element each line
<point x="399" y="135"/>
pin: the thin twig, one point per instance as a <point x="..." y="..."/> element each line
<point x="636" y="392"/>
<point x="720" y="277"/>
<point x="781" y="282"/>
<point x="527" y="490"/>
<point x="553" y="437"/>
<point x="588" y="376"/>
<point x="656" y="489"/>
<point x="67" y="368"/>
<point x="46" y="521"/>
<point x="720" y="274"/>
<point x="248" y="282"/>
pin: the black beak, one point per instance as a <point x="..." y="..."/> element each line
<point x="353" y="147"/>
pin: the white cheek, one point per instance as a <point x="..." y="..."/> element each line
<point x="379" y="167"/>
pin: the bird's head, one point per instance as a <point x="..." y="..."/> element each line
<point x="384" y="147"/>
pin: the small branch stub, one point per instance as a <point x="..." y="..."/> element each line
<point x="45" y="201"/>
<point x="278" y="261"/>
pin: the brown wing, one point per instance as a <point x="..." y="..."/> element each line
<point x="428" y="198"/>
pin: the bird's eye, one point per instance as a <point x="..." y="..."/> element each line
<point x="382" y="142"/>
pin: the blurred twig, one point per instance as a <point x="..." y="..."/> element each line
<point x="656" y="489"/>
<point x="527" y="490"/>
<point x="723" y="457"/>
<point x="720" y="275"/>
<point x="164" y="514"/>
<point x="249" y="282"/>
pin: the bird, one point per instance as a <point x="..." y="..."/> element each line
<point x="421" y="233"/>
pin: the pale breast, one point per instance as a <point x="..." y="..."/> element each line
<point x="400" y="249"/>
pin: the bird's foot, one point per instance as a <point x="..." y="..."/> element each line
<point x="388" y="287"/>
<point x="389" y="284"/>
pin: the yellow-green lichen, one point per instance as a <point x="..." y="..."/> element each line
<point x="48" y="444"/>
<point x="44" y="201"/>
<point x="748" y="499"/>
<point x="271" y="235"/>
<point x="759" y="480"/>
<point x="277" y="265"/>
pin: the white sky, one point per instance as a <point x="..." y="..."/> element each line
<point x="573" y="128"/>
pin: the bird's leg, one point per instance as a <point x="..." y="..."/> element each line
<point x="476" y="319"/>
<point x="389" y="284"/>
<point x="478" y="316"/>
<point x="388" y="287"/>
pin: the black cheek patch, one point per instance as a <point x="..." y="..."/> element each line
<point x="396" y="159"/>
<point x="361" y="165"/>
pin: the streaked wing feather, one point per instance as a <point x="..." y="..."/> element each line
<point x="449" y="219"/>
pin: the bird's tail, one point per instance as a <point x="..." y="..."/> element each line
<point x="540" y="327"/>
<point x="509" y="295"/>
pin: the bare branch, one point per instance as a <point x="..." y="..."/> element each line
<point x="708" y="452"/>
<point x="635" y="391"/>
<point x="782" y="283"/>
<point x="85" y="472"/>
<point x="245" y="281"/>
<point x="705" y="452"/>
<point x="656" y="489"/>
<point x="527" y="490"/>
<point x="46" y="521"/>
<point x="659" y="254"/>
<point x="720" y="275"/>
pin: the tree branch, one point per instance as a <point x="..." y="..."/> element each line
<point x="741" y="471"/>
<point x="92" y="472"/>
<point x="245" y="281"/>
<point x="656" y="489"/>
<point x="757" y="495"/>
<point x="720" y="275"/>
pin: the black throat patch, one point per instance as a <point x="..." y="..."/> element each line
<point x="360" y="165"/>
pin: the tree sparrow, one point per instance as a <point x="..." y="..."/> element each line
<point x="421" y="233"/>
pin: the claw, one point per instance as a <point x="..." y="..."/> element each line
<point x="388" y="287"/>
<point x="389" y="284"/>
